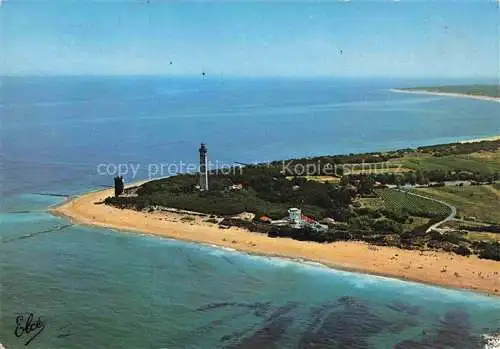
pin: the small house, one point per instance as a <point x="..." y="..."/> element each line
<point x="265" y="219"/>
<point x="236" y="187"/>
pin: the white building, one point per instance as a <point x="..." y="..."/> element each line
<point x="295" y="215"/>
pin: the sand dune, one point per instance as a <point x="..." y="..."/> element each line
<point x="428" y="267"/>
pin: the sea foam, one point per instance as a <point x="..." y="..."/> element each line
<point x="491" y="341"/>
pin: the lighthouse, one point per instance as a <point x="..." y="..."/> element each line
<point x="203" y="167"/>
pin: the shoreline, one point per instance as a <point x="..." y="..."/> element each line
<point x="481" y="139"/>
<point x="427" y="267"/>
<point x="447" y="94"/>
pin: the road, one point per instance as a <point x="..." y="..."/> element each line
<point x="451" y="216"/>
<point x="430" y="184"/>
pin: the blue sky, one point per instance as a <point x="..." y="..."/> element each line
<point x="248" y="38"/>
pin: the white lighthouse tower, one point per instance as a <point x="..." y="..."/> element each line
<point x="203" y="167"/>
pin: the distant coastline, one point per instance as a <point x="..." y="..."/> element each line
<point x="475" y="140"/>
<point x="446" y="94"/>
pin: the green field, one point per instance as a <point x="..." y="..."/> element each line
<point x="479" y="201"/>
<point x="416" y="206"/>
<point x="372" y="203"/>
<point x="487" y="163"/>
<point x="415" y="222"/>
<point x="482" y="236"/>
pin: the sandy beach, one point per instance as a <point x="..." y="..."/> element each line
<point x="429" y="267"/>
<point x="447" y="94"/>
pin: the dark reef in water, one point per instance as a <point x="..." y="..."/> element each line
<point x="272" y="331"/>
<point x="258" y="307"/>
<point x="346" y="323"/>
<point x="452" y="331"/>
<point x="403" y="307"/>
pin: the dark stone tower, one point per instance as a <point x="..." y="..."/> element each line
<point x="118" y="185"/>
<point x="203" y="167"/>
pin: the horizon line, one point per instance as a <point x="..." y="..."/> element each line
<point x="234" y="76"/>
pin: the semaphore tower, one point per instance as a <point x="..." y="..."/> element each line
<point x="119" y="186"/>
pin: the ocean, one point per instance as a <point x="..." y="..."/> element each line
<point x="99" y="288"/>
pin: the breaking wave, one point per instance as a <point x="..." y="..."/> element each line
<point x="491" y="341"/>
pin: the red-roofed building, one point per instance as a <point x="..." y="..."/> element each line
<point x="265" y="219"/>
<point x="308" y="219"/>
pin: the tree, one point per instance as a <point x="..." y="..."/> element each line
<point x="365" y="185"/>
<point x="421" y="177"/>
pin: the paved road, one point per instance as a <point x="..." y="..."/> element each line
<point x="452" y="214"/>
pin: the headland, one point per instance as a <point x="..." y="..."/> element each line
<point x="452" y="257"/>
<point x="481" y="92"/>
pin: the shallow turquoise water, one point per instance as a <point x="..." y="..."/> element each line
<point x="97" y="288"/>
<point x="114" y="289"/>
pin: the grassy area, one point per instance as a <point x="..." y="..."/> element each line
<point x="356" y="169"/>
<point x="491" y="159"/>
<point x="380" y="205"/>
<point x="476" y="90"/>
<point x="320" y="179"/>
<point x="482" y="236"/>
<point x="479" y="201"/>
<point x="416" y="206"/>
<point x="415" y="222"/>
<point x="476" y="162"/>
<point x="370" y="171"/>
<point x="472" y="235"/>
<point x="372" y="203"/>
